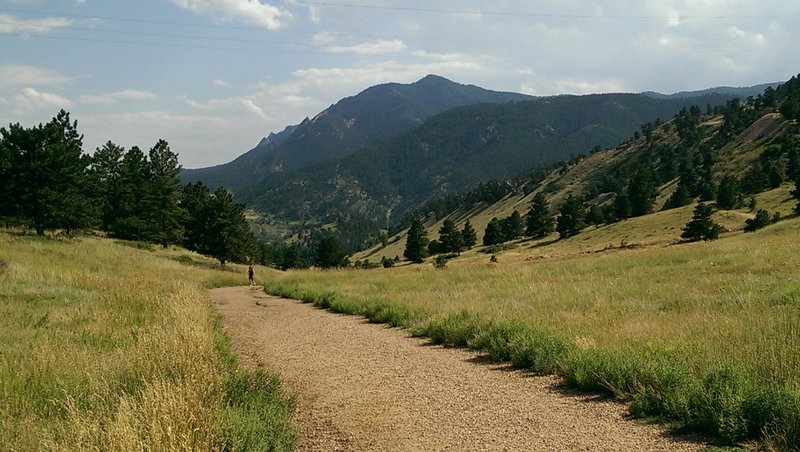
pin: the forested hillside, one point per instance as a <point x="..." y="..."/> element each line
<point x="345" y="127"/>
<point x="721" y="156"/>
<point x="454" y="151"/>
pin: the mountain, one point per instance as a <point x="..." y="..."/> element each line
<point x="347" y="126"/>
<point x="755" y="144"/>
<point x="741" y="92"/>
<point x="456" y="150"/>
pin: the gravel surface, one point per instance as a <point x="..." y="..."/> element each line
<point x="362" y="386"/>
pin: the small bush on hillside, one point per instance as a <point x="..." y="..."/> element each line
<point x="701" y="226"/>
<point x="440" y="261"/>
<point x="761" y="220"/>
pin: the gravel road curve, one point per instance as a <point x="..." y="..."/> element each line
<point x="362" y="386"/>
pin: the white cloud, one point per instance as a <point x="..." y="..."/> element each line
<point x="16" y="75"/>
<point x="29" y="100"/>
<point x="377" y="47"/>
<point x="10" y="24"/>
<point x="117" y="96"/>
<point x="573" y="86"/>
<point x="248" y="11"/>
<point x="220" y="83"/>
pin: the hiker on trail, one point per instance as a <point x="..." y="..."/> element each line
<point x="251" y="275"/>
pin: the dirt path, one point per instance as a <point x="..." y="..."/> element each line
<point x="369" y="387"/>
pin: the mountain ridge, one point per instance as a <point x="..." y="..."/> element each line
<point x="346" y="126"/>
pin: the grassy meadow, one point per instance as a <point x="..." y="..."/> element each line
<point x="701" y="335"/>
<point x="114" y="346"/>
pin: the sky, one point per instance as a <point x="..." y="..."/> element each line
<point x="212" y="77"/>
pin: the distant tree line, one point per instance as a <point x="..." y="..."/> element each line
<point x="48" y="183"/>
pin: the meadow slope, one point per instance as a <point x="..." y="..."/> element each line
<point x="114" y="346"/>
<point x="703" y="335"/>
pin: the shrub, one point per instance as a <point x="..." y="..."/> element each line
<point x="455" y="329"/>
<point x="761" y="220"/>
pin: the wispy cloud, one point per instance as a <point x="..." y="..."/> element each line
<point x="248" y="11"/>
<point x="376" y="47"/>
<point x="47" y="25"/>
<point x="117" y="96"/>
<point x="29" y="99"/>
<point x="219" y="83"/>
<point x="18" y="74"/>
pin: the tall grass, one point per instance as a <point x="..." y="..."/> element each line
<point x="111" y="347"/>
<point x="704" y="335"/>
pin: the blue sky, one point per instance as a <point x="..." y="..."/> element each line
<point x="214" y="76"/>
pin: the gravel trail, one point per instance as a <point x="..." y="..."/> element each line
<point x="362" y="386"/>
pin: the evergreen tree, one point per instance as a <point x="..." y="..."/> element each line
<point x="775" y="174"/>
<point x="701" y="226"/>
<point x="728" y="196"/>
<point x="106" y="172"/>
<point x="416" y="242"/>
<point x="329" y="254"/>
<point x="135" y="197"/>
<point x="595" y="215"/>
<point x="291" y="258"/>
<point x="469" y="236"/>
<point x="761" y="220"/>
<point x="512" y="226"/>
<point x="622" y="206"/>
<point x="196" y="201"/>
<point x="539" y="221"/>
<point x="493" y="233"/>
<point x="6" y="206"/>
<point x="450" y="237"/>
<point x="642" y="192"/>
<point x="756" y="180"/>
<point x="48" y="179"/>
<point x="680" y="197"/>
<point x="229" y="238"/>
<point x="166" y="214"/>
<point x="571" y="218"/>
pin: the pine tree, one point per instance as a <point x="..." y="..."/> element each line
<point x="493" y="233"/>
<point x="48" y="179"/>
<point x="642" y="192"/>
<point x="450" y="237"/>
<point x="622" y="206"/>
<point x="512" y="226"/>
<point x="539" y="221"/>
<point x="416" y="242"/>
<point x="761" y="220"/>
<point x="291" y="258"/>
<point x="469" y="236"/>
<point x="106" y="175"/>
<point x="134" y="196"/>
<point x="571" y="218"/>
<point x="701" y="226"/>
<point x="728" y="196"/>
<point x="166" y="214"/>
<point x="196" y="201"/>
<point x="680" y="197"/>
<point x="329" y="253"/>
<point x="229" y="238"/>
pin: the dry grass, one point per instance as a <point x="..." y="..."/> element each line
<point x="109" y="347"/>
<point x="683" y="311"/>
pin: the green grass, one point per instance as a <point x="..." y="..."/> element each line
<point x="115" y="346"/>
<point x="701" y="335"/>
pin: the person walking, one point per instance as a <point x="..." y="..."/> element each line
<point x="251" y="275"/>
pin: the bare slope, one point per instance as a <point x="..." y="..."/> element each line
<point x="368" y="387"/>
